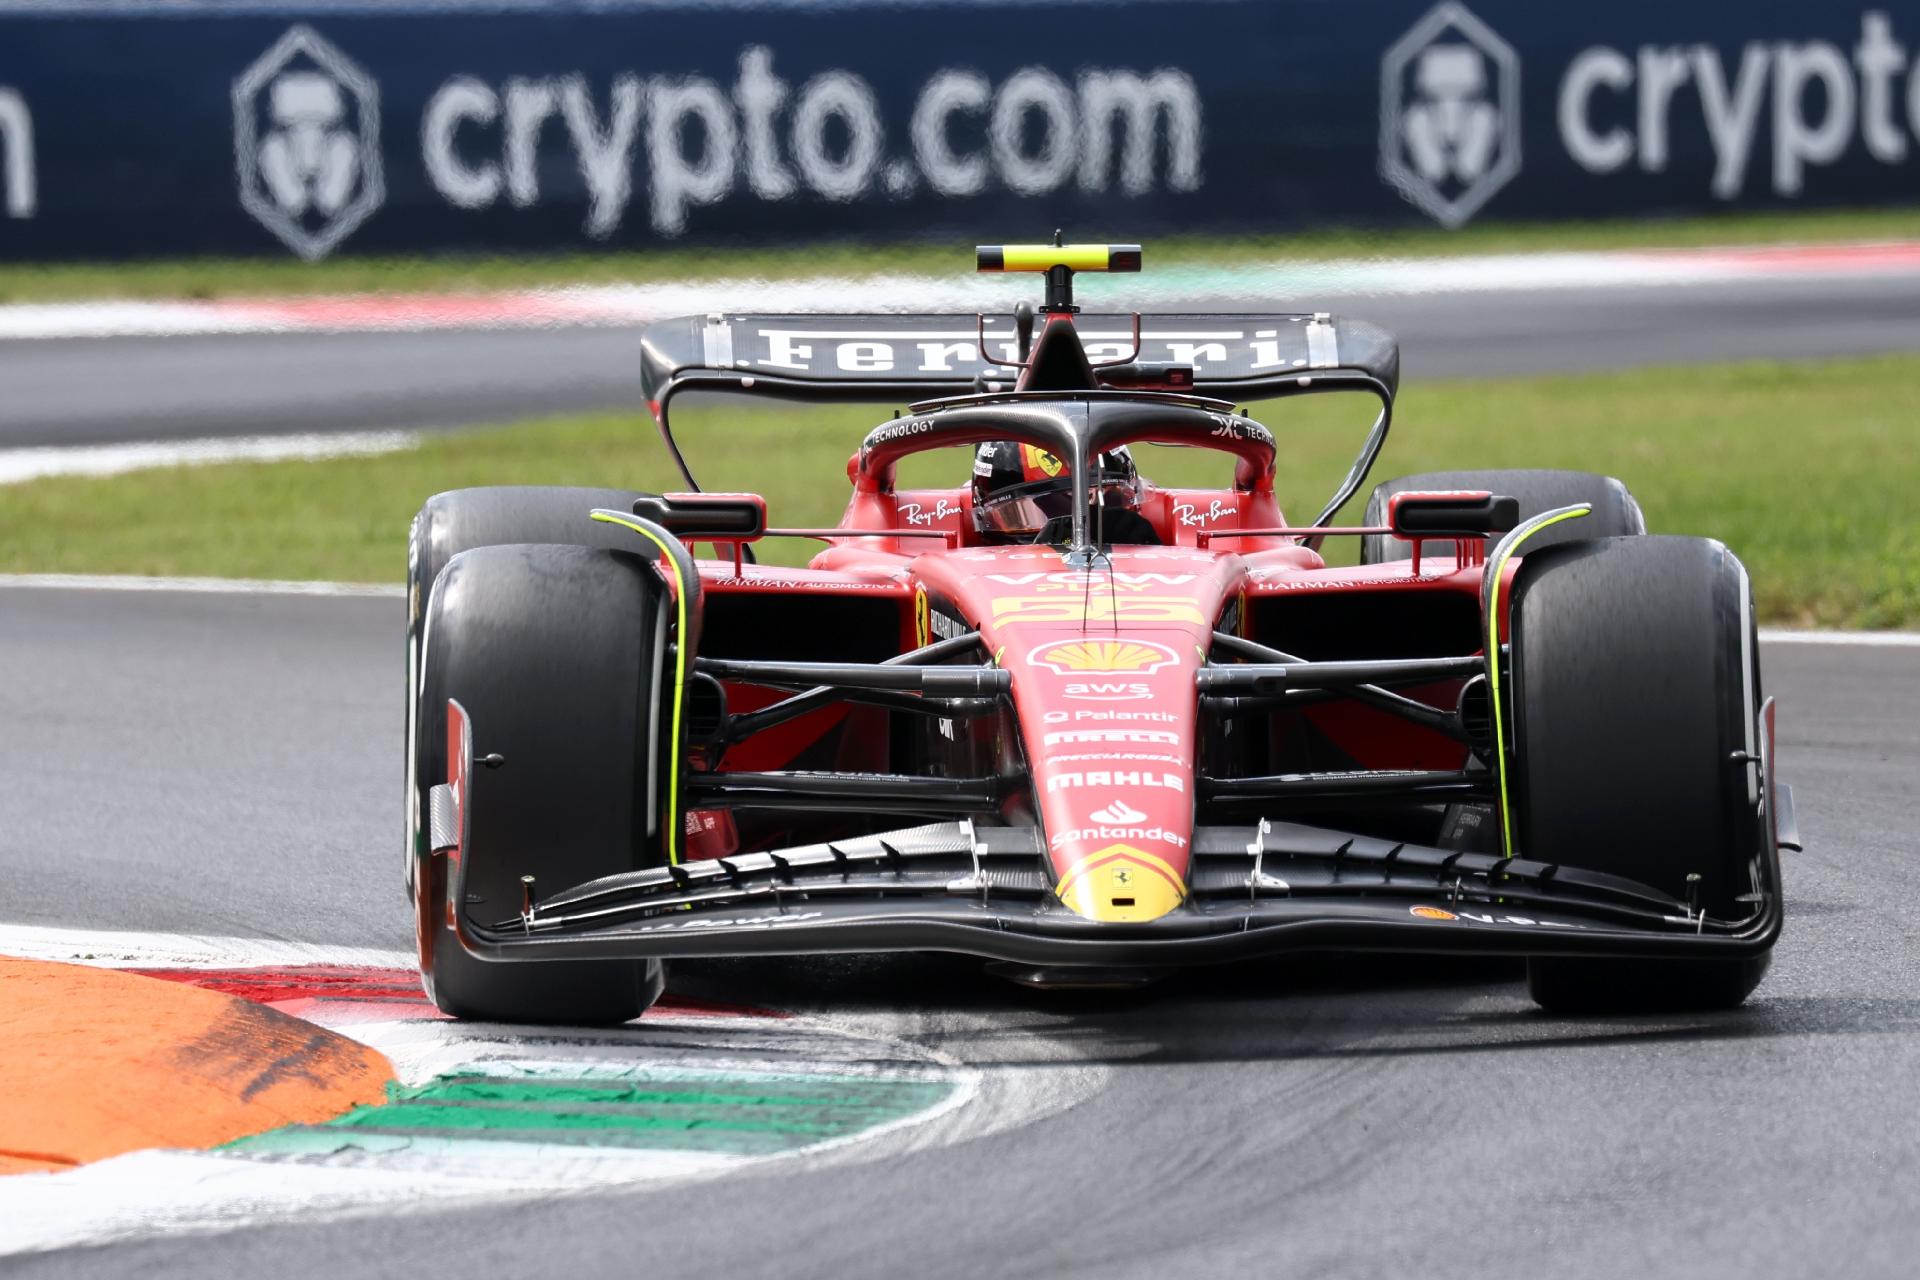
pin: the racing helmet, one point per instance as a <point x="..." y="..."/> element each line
<point x="1020" y="489"/>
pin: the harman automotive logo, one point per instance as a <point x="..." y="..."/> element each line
<point x="306" y="141"/>
<point x="1450" y="114"/>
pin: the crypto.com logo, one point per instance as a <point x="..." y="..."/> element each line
<point x="306" y="142"/>
<point x="1450" y="114"/>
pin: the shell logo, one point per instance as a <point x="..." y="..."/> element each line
<point x="1433" y="913"/>
<point x="1073" y="657"/>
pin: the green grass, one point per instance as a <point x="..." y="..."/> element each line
<point x="1811" y="472"/>
<point x="221" y="277"/>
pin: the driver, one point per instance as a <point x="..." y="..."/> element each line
<point x="1022" y="493"/>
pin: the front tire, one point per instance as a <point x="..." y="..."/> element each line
<point x="1635" y="692"/>
<point x="554" y="652"/>
<point x="460" y="520"/>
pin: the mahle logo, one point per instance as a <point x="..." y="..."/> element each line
<point x="1450" y="114"/>
<point x="306" y="142"/>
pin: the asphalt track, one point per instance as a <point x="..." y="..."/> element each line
<point x="114" y="390"/>
<point x="229" y="764"/>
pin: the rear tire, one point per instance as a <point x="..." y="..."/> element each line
<point x="1635" y="683"/>
<point x="552" y="651"/>
<point x="460" y="520"/>
<point x="1615" y="512"/>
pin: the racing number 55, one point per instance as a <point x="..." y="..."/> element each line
<point x="1098" y="607"/>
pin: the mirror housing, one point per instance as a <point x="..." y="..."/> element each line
<point x="1416" y="514"/>
<point x="703" y="517"/>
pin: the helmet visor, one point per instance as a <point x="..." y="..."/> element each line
<point x="1029" y="508"/>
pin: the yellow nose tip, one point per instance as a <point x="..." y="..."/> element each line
<point x="1119" y="884"/>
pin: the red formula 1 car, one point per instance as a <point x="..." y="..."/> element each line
<point x="1064" y="719"/>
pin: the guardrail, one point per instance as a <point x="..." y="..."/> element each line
<point x="203" y="126"/>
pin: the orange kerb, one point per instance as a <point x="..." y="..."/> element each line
<point x="96" y="1062"/>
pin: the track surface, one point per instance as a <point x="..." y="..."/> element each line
<point x="98" y="391"/>
<point x="225" y="764"/>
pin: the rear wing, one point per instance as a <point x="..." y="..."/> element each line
<point x="905" y="358"/>
<point x="896" y="358"/>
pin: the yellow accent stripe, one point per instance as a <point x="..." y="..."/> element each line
<point x="1493" y="668"/>
<point x="1122" y="853"/>
<point x="671" y="831"/>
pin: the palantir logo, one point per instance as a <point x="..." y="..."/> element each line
<point x="306" y="140"/>
<point x="1450" y="114"/>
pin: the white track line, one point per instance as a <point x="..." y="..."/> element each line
<point x="118" y="948"/>
<point x="20" y="465"/>
<point x="1868" y="639"/>
<point x="217" y="586"/>
<point x="148" y="1194"/>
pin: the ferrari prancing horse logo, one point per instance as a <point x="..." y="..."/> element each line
<point x="1038" y="464"/>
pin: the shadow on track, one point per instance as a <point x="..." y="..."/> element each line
<point x="1289" y="1009"/>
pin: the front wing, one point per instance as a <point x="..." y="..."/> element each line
<point x="1255" y="890"/>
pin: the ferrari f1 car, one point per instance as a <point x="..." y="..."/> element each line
<point x="1089" y="746"/>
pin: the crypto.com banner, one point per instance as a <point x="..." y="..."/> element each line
<point x="337" y="126"/>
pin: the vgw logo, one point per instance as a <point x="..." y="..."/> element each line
<point x="1450" y="114"/>
<point x="306" y="141"/>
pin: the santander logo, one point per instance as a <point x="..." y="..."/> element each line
<point x="1118" y="811"/>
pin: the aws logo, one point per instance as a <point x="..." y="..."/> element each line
<point x="1109" y="690"/>
<point x="1074" y="657"/>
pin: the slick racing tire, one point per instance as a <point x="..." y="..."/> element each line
<point x="1615" y="513"/>
<point x="460" y="520"/>
<point x="555" y="654"/>
<point x="1634" y="696"/>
